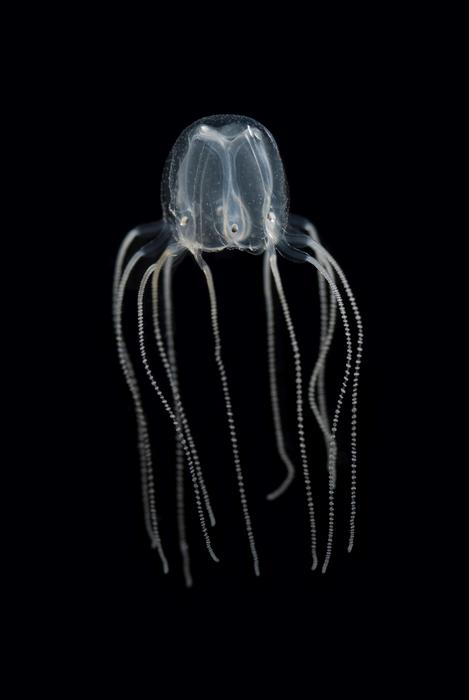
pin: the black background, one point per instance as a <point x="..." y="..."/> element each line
<point x="349" y="126"/>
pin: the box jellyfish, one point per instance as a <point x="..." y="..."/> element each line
<point x="224" y="189"/>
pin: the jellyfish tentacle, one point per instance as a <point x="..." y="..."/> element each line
<point x="179" y="408"/>
<point x="335" y="420"/>
<point x="324" y="321"/>
<point x="317" y="379"/>
<point x="139" y="232"/>
<point x="179" y="456"/>
<point x="144" y="446"/>
<point x="318" y="375"/>
<point x="141" y="336"/>
<point x="293" y="253"/>
<point x="278" y="428"/>
<point x="299" y="405"/>
<point x="320" y="362"/>
<point x="142" y="233"/>
<point x="328" y="315"/>
<point x="328" y="322"/>
<point x="317" y="247"/>
<point x="130" y="237"/>
<point x="228" y="406"/>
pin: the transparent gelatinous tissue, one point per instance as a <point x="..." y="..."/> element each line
<point x="224" y="188"/>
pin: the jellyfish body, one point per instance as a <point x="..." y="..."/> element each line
<point x="224" y="188"/>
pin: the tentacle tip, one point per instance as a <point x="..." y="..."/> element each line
<point x="350" y="547"/>
<point x="257" y="570"/>
<point x="315" y="563"/>
<point x="164" y="561"/>
<point x="213" y="522"/>
<point x="324" y="568"/>
<point x="214" y="557"/>
<point x="273" y="495"/>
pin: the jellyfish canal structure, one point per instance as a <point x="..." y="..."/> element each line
<point x="223" y="189"/>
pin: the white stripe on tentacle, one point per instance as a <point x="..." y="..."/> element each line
<point x="228" y="406"/>
<point x="179" y="453"/>
<point x="335" y="420"/>
<point x="278" y="428"/>
<point x="146" y="461"/>
<point x="141" y="336"/>
<point x="317" y="379"/>
<point x="299" y="406"/>
<point x="179" y="408"/>
<point x="328" y="322"/>
<point x="319" y="249"/>
<point x="327" y="328"/>
<point x="293" y="253"/>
